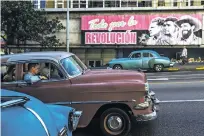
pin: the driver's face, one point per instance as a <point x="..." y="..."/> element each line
<point x="35" y="69"/>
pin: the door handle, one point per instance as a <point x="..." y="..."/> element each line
<point x="21" y="85"/>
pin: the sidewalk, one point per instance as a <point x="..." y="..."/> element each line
<point x="186" y="67"/>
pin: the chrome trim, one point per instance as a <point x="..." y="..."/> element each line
<point x="142" y="106"/>
<point x="171" y="64"/>
<point x="91" y="102"/>
<point x="20" y="100"/>
<point x="40" y="119"/>
<point x="147" y="117"/>
<point x="63" y="131"/>
<point x="12" y="102"/>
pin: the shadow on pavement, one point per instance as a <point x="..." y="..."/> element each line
<point x="138" y="129"/>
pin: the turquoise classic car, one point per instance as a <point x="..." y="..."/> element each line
<point x="24" y="115"/>
<point x="143" y="59"/>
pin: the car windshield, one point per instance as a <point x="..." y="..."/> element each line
<point x="73" y="65"/>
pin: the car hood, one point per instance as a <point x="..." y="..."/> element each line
<point x="45" y="112"/>
<point x="110" y="75"/>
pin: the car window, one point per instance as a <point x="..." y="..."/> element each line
<point x="145" y="54"/>
<point x="136" y="55"/>
<point x="72" y="66"/>
<point x="8" y="73"/>
<point x="47" y="70"/>
<point x="150" y="55"/>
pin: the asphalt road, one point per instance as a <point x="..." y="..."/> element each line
<point x="181" y="108"/>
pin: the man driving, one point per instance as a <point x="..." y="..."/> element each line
<point x="31" y="76"/>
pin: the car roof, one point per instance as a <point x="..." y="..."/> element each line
<point x="145" y="51"/>
<point x="52" y="55"/>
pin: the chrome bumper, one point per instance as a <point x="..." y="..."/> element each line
<point x="147" y="117"/>
<point x="153" y="101"/>
<point x="171" y="64"/>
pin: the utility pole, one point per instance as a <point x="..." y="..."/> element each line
<point x="67" y="36"/>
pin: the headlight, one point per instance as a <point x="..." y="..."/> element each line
<point x="147" y="86"/>
<point x="74" y="119"/>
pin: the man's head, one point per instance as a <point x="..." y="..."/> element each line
<point x="184" y="47"/>
<point x="33" y="68"/>
<point x="188" y="25"/>
<point x="170" y="26"/>
<point x="156" y="26"/>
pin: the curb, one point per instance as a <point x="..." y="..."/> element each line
<point x="186" y="69"/>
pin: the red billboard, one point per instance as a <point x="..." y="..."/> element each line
<point x="174" y="29"/>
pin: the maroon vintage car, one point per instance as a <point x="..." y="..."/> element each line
<point x="113" y="96"/>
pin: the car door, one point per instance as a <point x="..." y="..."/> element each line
<point x="51" y="90"/>
<point x="8" y="76"/>
<point x="146" y="56"/>
<point x="135" y="60"/>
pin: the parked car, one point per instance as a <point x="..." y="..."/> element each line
<point x="23" y="115"/>
<point x="143" y="59"/>
<point x="114" y="96"/>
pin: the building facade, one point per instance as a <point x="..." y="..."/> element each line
<point x="101" y="30"/>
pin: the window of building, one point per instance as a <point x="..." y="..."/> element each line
<point x="65" y="4"/>
<point x="202" y="2"/>
<point x="59" y="3"/>
<point x="191" y="2"/>
<point x="161" y="3"/>
<point x="186" y="2"/>
<point x="145" y="3"/>
<point x="82" y="3"/>
<point x="175" y="3"/>
<point x="94" y="63"/>
<point x="112" y="3"/>
<point x="95" y="3"/>
<point x="50" y="4"/>
<point x="75" y="3"/>
<point x="39" y="3"/>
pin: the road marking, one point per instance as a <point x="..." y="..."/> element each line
<point x="174" y="82"/>
<point x="158" y="79"/>
<point x="200" y="68"/>
<point x="173" y="69"/>
<point x="179" y="101"/>
<point x="161" y="76"/>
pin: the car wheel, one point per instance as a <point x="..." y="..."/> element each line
<point x="117" y="67"/>
<point x="115" y="122"/>
<point x="158" y="67"/>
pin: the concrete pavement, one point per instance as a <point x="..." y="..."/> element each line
<point x="181" y="107"/>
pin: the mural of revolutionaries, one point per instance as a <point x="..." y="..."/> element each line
<point x="151" y="30"/>
<point x="188" y="26"/>
<point x="155" y="31"/>
<point x="170" y="32"/>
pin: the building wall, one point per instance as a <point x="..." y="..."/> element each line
<point x="75" y="22"/>
<point x="91" y="56"/>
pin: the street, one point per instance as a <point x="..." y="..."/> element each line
<point x="181" y="108"/>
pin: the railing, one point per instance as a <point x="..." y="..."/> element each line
<point x="102" y="4"/>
